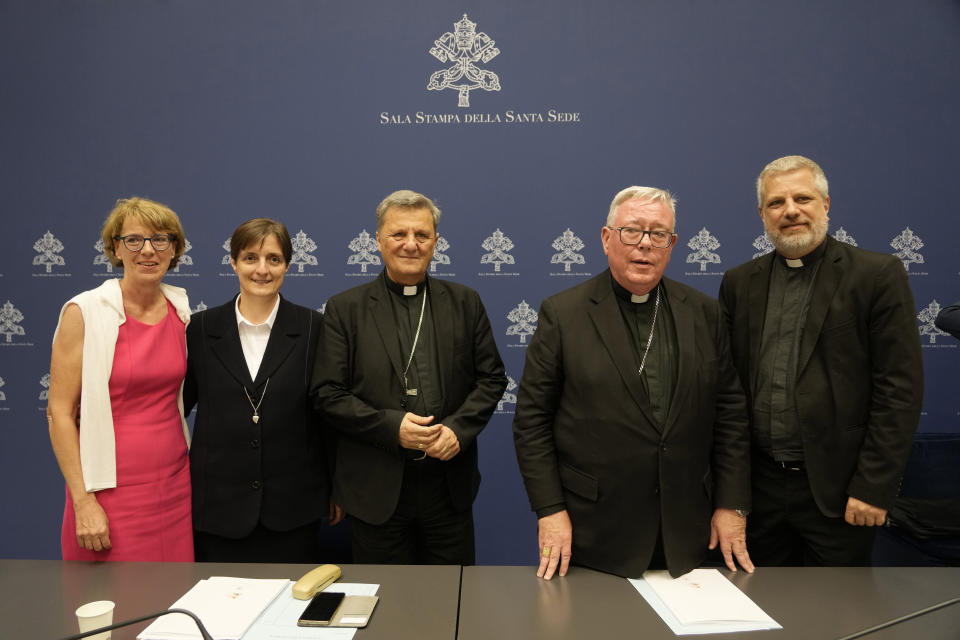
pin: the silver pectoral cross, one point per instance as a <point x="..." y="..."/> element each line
<point x="406" y="392"/>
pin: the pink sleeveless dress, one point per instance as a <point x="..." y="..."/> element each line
<point x="149" y="510"/>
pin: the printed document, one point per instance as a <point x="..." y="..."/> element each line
<point x="701" y="601"/>
<point x="226" y="606"/>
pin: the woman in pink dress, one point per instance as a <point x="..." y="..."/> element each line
<point x="115" y="406"/>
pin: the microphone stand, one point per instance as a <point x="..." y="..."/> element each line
<point x="203" y="630"/>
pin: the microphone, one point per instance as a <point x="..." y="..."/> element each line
<point x="909" y="616"/>
<point x="203" y="630"/>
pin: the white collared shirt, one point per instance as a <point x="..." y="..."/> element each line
<point x="254" y="337"/>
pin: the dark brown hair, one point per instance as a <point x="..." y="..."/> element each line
<point x="254" y="231"/>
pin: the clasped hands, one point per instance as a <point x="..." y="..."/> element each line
<point x="435" y="440"/>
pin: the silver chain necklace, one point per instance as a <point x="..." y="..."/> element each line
<point x="256" y="408"/>
<point x="423" y="305"/>
<point x="656" y="306"/>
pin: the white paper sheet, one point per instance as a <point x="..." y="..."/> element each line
<point x="701" y="601"/>
<point x="226" y="606"/>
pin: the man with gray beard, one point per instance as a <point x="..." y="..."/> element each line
<point x="824" y="337"/>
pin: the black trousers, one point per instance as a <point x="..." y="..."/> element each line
<point x="300" y="545"/>
<point x="424" y="529"/>
<point x="786" y="528"/>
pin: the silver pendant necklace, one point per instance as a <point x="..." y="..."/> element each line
<point x="407" y="391"/>
<point x="256" y="408"/>
<point x="656" y="306"/>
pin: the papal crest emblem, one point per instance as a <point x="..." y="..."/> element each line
<point x="464" y="48"/>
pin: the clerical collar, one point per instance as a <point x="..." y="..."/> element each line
<point x="804" y="261"/>
<point x="623" y="294"/>
<point x="402" y="289"/>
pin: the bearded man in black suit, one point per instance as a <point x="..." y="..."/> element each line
<point x="408" y="371"/>
<point x="824" y="336"/>
<point x="630" y="425"/>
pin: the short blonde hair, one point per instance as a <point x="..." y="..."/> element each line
<point x="792" y="163"/>
<point x="153" y="214"/>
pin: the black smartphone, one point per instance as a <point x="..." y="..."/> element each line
<point x="321" y="609"/>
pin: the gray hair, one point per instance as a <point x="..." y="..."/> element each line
<point x="792" y="163"/>
<point x="646" y="194"/>
<point x="406" y="199"/>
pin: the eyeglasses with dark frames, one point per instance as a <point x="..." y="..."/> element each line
<point x="134" y="241"/>
<point x="659" y="238"/>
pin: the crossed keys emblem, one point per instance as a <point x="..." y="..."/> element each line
<point x="464" y="47"/>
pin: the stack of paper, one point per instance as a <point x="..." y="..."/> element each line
<point x="702" y="601"/>
<point x="227" y="607"/>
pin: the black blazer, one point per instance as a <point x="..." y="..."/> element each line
<point x="586" y="438"/>
<point x="275" y="471"/>
<point x="356" y="384"/>
<point x="860" y="372"/>
<point x="949" y="319"/>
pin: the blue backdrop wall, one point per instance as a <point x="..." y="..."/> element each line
<point x="312" y="111"/>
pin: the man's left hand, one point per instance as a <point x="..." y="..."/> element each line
<point x="861" y="514"/>
<point x="729" y="530"/>
<point x="445" y="446"/>
<point x="335" y="513"/>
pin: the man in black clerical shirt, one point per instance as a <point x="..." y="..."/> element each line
<point x="630" y="427"/>
<point x="825" y="339"/>
<point x="408" y="371"/>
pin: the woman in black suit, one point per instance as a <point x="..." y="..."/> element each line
<point x="260" y="459"/>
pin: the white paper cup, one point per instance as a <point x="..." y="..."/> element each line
<point x="96" y="614"/>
